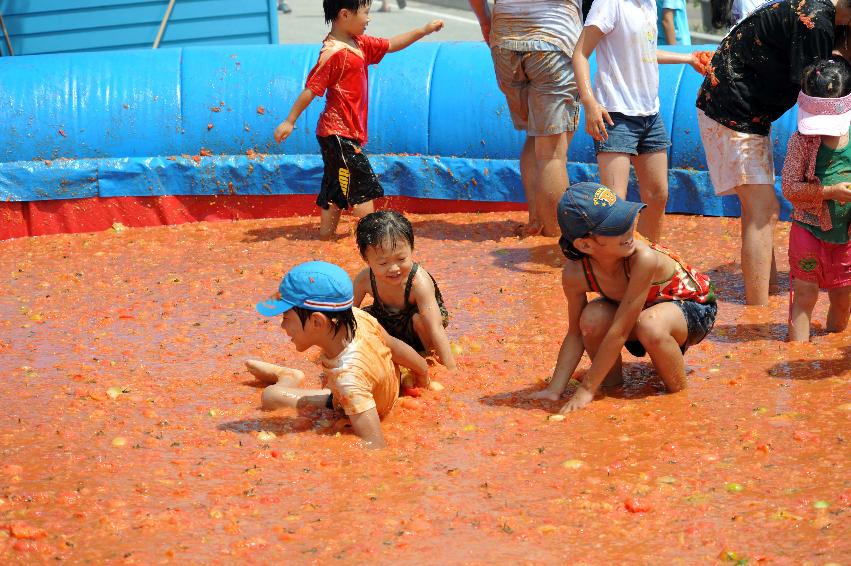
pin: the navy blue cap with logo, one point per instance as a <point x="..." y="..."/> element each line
<point x="591" y="208"/>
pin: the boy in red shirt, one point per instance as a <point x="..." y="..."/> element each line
<point x="348" y="179"/>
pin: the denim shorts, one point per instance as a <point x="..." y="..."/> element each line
<point x="634" y="135"/>
<point x="700" y="318"/>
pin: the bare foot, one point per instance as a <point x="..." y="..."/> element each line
<point x="580" y="398"/>
<point x="528" y="230"/>
<point x="544" y="394"/>
<point x="385" y="8"/>
<point x="272" y="373"/>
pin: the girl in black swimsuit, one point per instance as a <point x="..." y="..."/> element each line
<point x="406" y="299"/>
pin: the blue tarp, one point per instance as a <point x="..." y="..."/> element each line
<point x="129" y="123"/>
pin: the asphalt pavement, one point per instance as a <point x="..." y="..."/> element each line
<point x="306" y="23"/>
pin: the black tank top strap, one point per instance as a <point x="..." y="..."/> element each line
<point x="375" y="298"/>
<point x="410" y="282"/>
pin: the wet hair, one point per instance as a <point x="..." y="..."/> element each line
<point x="722" y="13"/>
<point x="383" y="226"/>
<point x="339" y="320"/>
<point x="586" y="7"/>
<point x="332" y="8"/>
<point x="569" y="250"/>
<point x="828" y="78"/>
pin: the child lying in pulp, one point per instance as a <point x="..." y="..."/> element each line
<point x="359" y="359"/>
<point x="650" y="301"/>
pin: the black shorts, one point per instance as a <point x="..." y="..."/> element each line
<point x="700" y="319"/>
<point x="348" y="178"/>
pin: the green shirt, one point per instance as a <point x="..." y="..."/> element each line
<point x="834" y="166"/>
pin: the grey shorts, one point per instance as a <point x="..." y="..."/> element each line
<point x="540" y="88"/>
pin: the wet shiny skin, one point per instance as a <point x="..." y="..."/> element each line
<point x="174" y="469"/>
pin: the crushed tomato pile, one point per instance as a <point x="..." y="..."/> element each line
<point x="130" y="431"/>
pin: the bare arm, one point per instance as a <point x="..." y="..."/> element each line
<point x="403" y="40"/>
<point x="424" y="295"/>
<point x="285" y="128"/>
<point x="641" y="276"/>
<point x="797" y="189"/>
<point x="572" y="346"/>
<point x="673" y="58"/>
<point x="668" y="27"/>
<point x="596" y="117"/>
<point x="406" y="356"/>
<point x="367" y="426"/>
<point x="362" y="286"/>
<point x="483" y="14"/>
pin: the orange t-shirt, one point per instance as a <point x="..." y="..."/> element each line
<point x="363" y="375"/>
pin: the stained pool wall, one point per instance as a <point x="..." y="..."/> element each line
<point x="198" y="121"/>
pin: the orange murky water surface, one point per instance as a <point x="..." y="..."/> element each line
<point x="130" y="432"/>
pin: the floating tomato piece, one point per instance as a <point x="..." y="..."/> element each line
<point x="634" y="505"/>
<point x="412" y="391"/>
<point x="22" y="530"/>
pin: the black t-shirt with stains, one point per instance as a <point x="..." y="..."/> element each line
<point x="755" y="75"/>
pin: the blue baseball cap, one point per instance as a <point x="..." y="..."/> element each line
<point x="314" y="285"/>
<point x="591" y="208"/>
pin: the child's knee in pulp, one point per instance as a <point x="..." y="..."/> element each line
<point x="805" y="294"/>
<point x="595" y="320"/>
<point x="651" y="332"/>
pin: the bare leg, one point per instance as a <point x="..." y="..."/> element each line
<point x="840" y="309"/>
<point x="759" y="217"/>
<point x="279" y="396"/>
<point x="804" y="299"/>
<point x="329" y="218"/>
<point x="595" y="322"/>
<point x="529" y="178"/>
<point x="271" y="373"/>
<point x="662" y="329"/>
<point x="614" y="171"/>
<point x="551" y="159"/>
<point x="364" y="208"/>
<point x="652" y="172"/>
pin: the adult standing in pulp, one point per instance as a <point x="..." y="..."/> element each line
<point x="532" y="45"/>
<point x="753" y="78"/>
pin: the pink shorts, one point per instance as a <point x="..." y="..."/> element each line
<point x="811" y="259"/>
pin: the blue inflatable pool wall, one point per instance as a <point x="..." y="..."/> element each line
<point x="199" y="121"/>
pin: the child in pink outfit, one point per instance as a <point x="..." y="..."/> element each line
<point x="817" y="181"/>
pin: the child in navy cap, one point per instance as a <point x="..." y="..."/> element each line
<point x="358" y="357"/>
<point x="650" y="301"/>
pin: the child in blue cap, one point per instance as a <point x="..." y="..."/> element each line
<point x="650" y="301"/>
<point x="358" y="357"/>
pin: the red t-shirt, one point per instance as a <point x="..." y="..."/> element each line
<point x="342" y="71"/>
